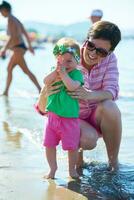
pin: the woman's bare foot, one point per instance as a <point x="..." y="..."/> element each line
<point x="73" y="174"/>
<point x="4" y="94"/>
<point x="113" y="166"/>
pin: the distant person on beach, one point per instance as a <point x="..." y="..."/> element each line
<point x="62" y="110"/>
<point x="16" y="31"/>
<point x="99" y="114"/>
<point x="96" y="15"/>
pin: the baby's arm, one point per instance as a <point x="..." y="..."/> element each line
<point x="68" y="82"/>
<point x="50" y="78"/>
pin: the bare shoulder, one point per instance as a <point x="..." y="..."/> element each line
<point x="14" y="20"/>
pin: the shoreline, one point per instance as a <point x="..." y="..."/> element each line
<point x="22" y="169"/>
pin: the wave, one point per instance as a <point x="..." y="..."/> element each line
<point x="128" y="95"/>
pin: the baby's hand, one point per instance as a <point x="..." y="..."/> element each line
<point x="60" y="65"/>
<point x="59" y="62"/>
<point x="58" y="78"/>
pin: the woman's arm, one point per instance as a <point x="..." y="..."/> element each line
<point x="111" y="77"/>
<point x="110" y="87"/>
<point x="6" y="45"/>
<point x="27" y="37"/>
<point x="4" y="49"/>
<point x="12" y="29"/>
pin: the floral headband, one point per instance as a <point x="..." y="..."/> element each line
<point x="62" y="49"/>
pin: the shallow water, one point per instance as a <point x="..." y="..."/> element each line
<point x="19" y="117"/>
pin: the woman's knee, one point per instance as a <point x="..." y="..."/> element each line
<point x="89" y="136"/>
<point x="88" y="143"/>
<point x="108" y="107"/>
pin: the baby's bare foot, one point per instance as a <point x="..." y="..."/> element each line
<point x="50" y="175"/>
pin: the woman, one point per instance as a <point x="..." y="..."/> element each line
<point x="99" y="115"/>
<point x="16" y="31"/>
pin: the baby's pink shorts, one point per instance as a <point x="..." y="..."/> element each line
<point x="66" y="130"/>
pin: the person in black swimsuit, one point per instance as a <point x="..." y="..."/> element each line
<point x="22" y="45"/>
<point x="16" y="31"/>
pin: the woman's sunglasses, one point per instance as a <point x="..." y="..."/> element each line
<point x="99" y="51"/>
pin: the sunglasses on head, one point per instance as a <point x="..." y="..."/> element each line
<point x="99" y="51"/>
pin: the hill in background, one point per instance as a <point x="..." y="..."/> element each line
<point x="77" y="30"/>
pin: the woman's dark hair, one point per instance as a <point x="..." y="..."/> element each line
<point x="107" y="31"/>
<point x="5" y="5"/>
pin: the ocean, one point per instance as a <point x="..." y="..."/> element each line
<point x="17" y="114"/>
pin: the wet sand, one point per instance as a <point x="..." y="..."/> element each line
<point x="22" y="168"/>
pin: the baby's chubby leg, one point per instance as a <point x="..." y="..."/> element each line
<point x="72" y="158"/>
<point x="51" y="158"/>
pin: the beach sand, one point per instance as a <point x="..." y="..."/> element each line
<point x="22" y="167"/>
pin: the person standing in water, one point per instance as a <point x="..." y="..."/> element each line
<point x="16" y="31"/>
<point x="62" y="110"/>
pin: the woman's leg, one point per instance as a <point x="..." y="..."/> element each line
<point x="89" y="136"/>
<point x="51" y="158"/>
<point x="11" y="65"/>
<point x="21" y="62"/>
<point x="88" y="140"/>
<point x="108" y="117"/>
<point x="72" y="158"/>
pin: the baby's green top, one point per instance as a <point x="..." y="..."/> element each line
<point x="63" y="104"/>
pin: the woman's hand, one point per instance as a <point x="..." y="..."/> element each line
<point x="81" y="93"/>
<point x="2" y="53"/>
<point x="50" y="89"/>
<point x="85" y="94"/>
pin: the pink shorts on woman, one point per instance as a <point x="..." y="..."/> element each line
<point x="66" y="130"/>
<point x="90" y="117"/>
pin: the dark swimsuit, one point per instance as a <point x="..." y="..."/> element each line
<point x="21" y="45"/>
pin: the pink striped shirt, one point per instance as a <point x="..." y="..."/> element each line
<point x="103" y="76"/>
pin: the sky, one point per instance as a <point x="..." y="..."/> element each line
<point x="65" y="12"/>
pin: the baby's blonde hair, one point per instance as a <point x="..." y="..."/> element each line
<point x="69" y="42"/>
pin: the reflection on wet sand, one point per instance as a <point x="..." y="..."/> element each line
<point x="7" y="104"/>
<point x="55" y="191"/>
<point x="83" y="188"/>
<point x="11" y="136"/>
